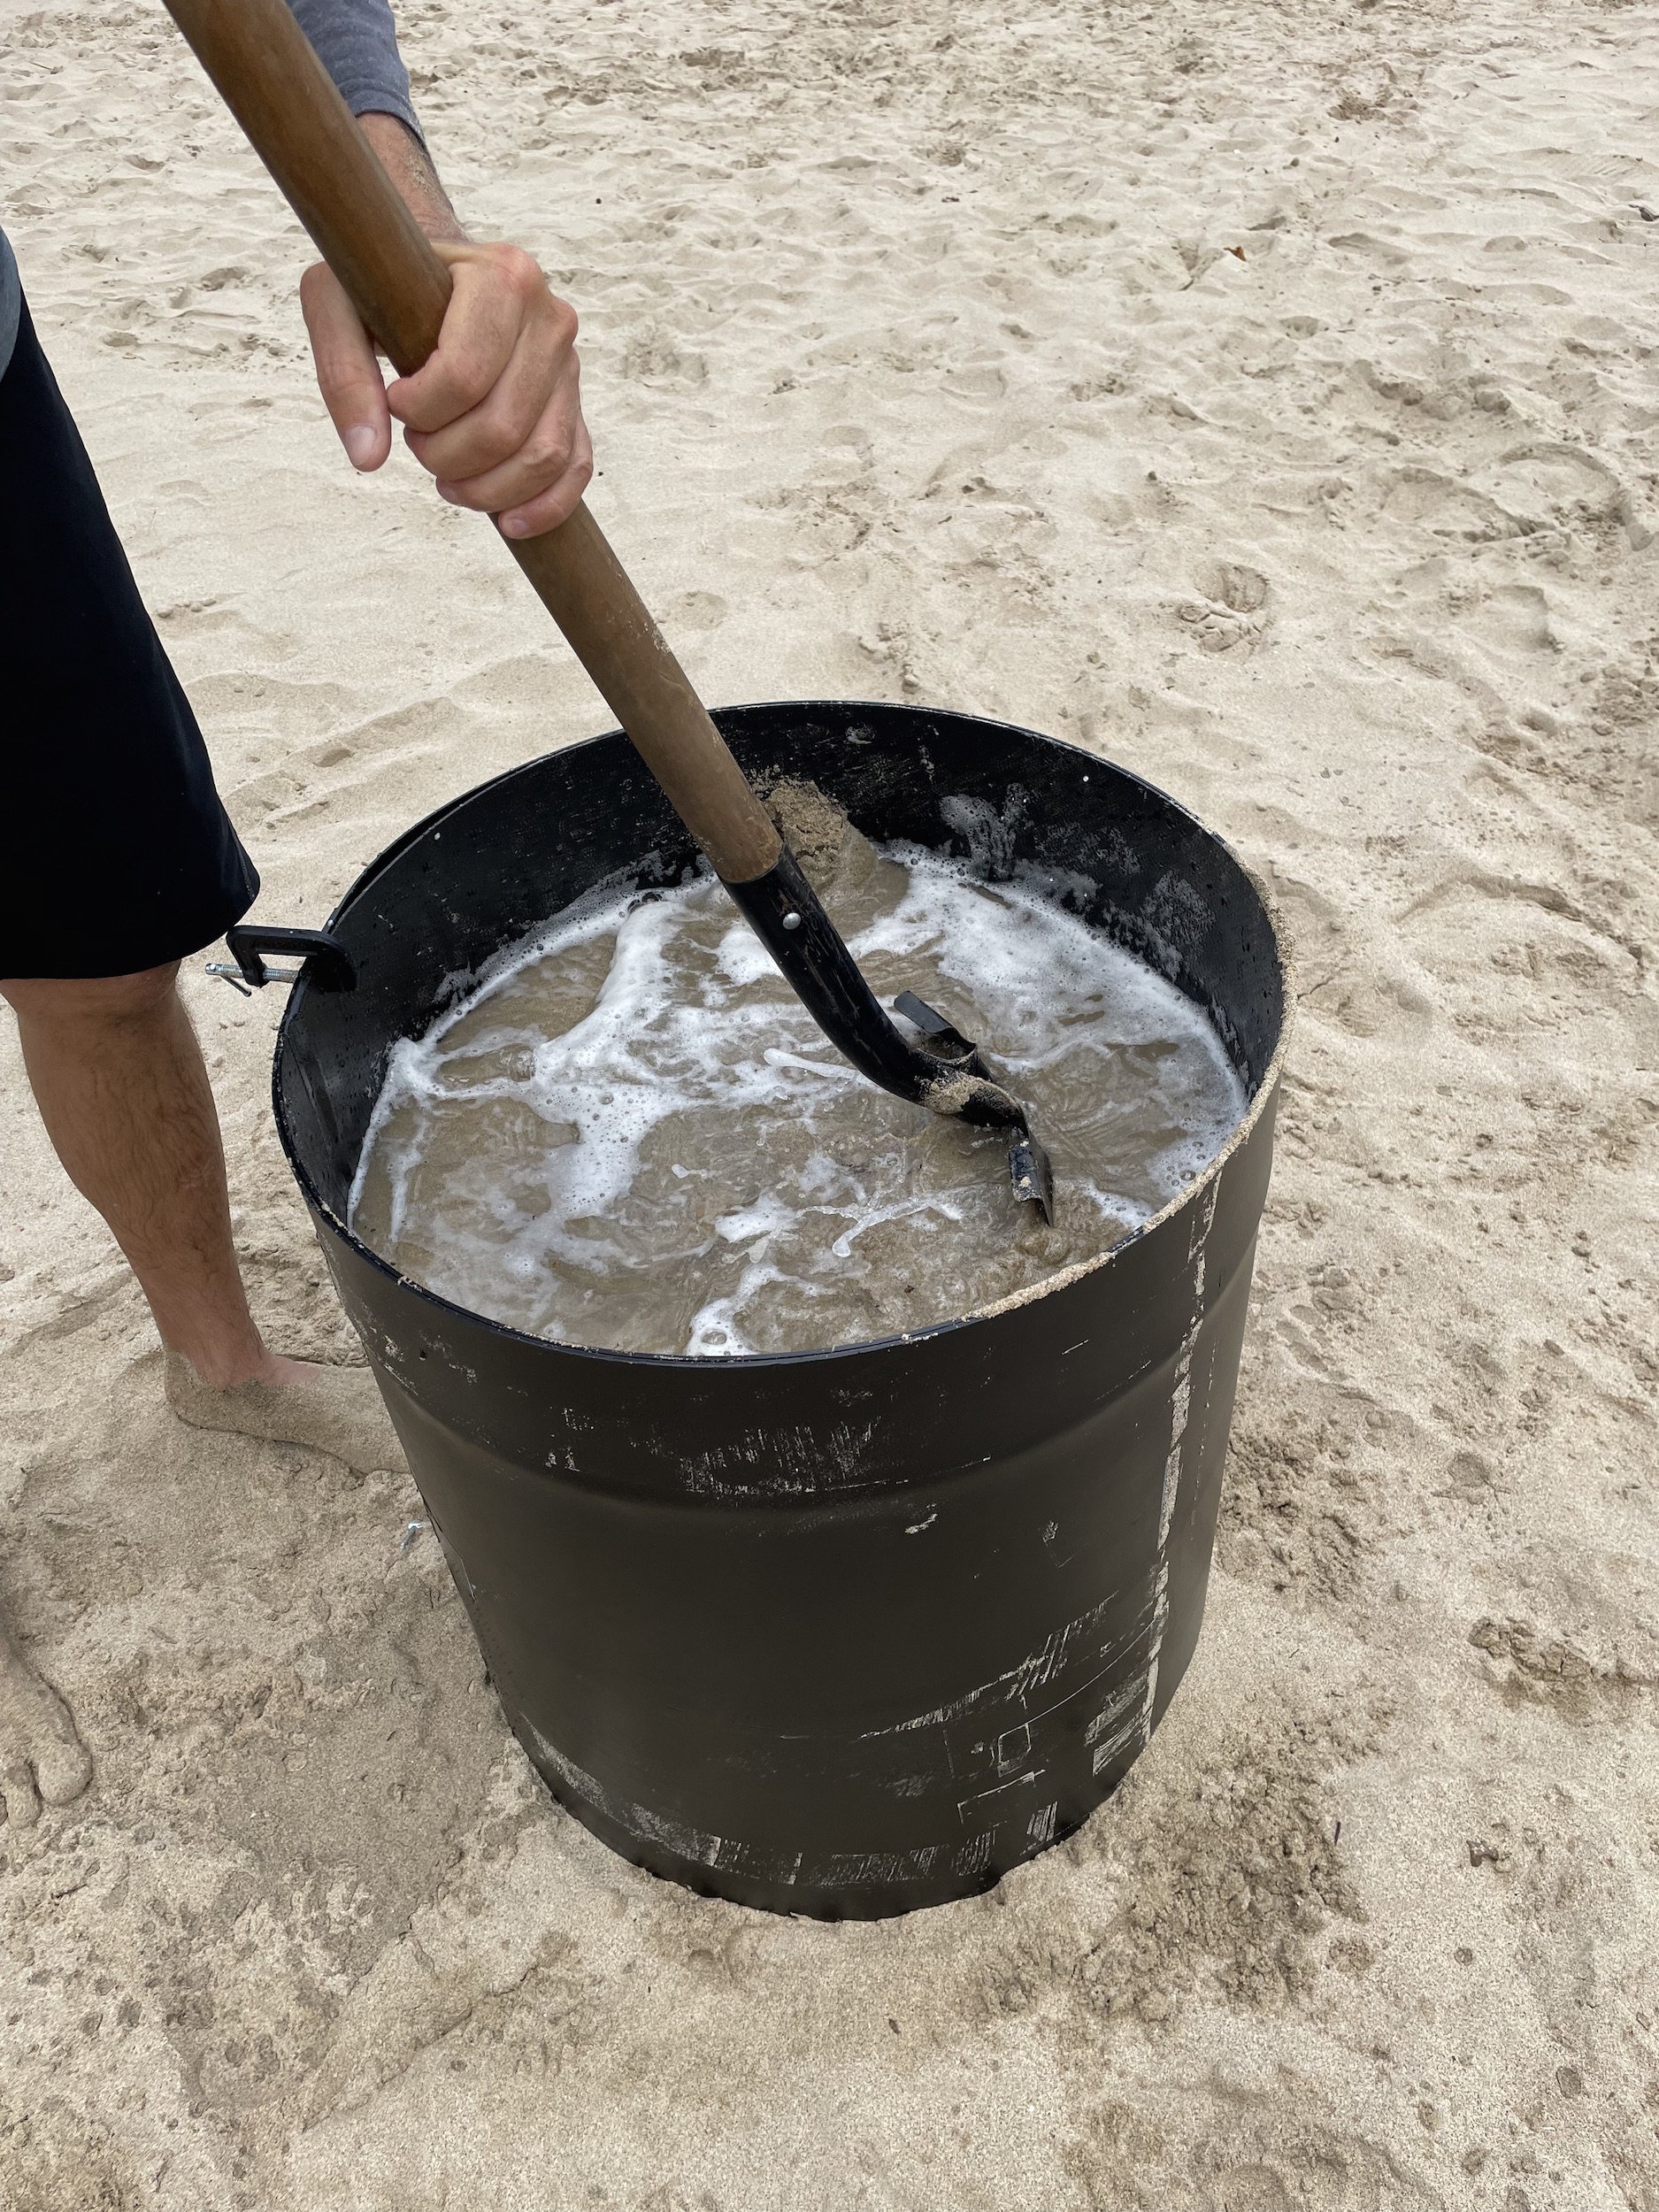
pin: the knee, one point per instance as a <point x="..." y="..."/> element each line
<point x="66" y="1000"/>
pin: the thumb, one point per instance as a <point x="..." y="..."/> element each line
<point x="348" y="373"/>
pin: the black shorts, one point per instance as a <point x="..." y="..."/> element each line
<point x="115" y="852"/>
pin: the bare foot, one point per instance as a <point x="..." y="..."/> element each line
<point x="334" y="1409"/>
<point x="40" y="1754"/>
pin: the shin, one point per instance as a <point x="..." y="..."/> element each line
<point x="119" y="1077"/>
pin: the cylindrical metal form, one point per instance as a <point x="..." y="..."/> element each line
<point x="839" y="1632"/>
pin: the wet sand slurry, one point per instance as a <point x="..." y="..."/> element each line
<point x="635" y="1139"/>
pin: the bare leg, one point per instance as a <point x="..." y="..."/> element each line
<point x="119" y="1077"/>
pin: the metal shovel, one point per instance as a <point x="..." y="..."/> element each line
<point x="279" y="91"/>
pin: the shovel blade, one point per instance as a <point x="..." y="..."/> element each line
<point x="1032" y="1176"/>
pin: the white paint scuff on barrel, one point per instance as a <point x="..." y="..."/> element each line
<point x="1174" y="1465"/>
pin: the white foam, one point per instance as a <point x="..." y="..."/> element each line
<point x="687" y="1025"/>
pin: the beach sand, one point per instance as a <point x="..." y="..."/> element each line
<point x="1264" y="396"/>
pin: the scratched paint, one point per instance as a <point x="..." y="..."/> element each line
<point x="1174" y="1465"/>
<point x="853" y="1632"/>
<point x="1025" y="1728"/>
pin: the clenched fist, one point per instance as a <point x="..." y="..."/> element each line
<point x="494" y="414"/>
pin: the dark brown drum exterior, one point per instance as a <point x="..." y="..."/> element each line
<point x="845" y="1632"/>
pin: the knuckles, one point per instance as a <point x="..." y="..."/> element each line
<point x="553" y="448"/>
<point x="471" y="376"/>
<point x="522" y="269"/>
<point x="547" y="451"/>
<point x="528" y="284"/>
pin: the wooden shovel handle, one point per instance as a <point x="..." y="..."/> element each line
<point x="286" y="101"/>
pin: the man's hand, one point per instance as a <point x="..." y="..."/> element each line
<point x="495" y="413"/>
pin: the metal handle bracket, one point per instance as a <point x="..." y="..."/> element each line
<point x="321" y="959"/>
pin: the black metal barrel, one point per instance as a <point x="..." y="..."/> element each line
<point x="838" y="1633"/>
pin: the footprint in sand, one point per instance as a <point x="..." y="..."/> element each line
<point x="697" y="610"/>
<point x="1232" y="614"/>
<point x="1515" y="618"/>
<point x="1544" y="483"/>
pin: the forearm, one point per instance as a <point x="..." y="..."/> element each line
<point x="356" y="42"/>
<point x="409" y="166"/>
<point x="495" y="412"/>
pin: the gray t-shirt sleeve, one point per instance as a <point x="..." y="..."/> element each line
<point x="359" y="47"/>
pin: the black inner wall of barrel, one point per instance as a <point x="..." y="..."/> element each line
<point x="429" y="915"/>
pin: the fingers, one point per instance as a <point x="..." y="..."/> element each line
<point x="561" y="499"/>
<point x="498" y="295"/>
<point x="510" y="413"/>
<point x="556" y="449"/>
<point x="348" y="372"/>
<point x="495" y="414"/>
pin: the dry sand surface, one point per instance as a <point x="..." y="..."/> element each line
<point x="1263" y="394"/>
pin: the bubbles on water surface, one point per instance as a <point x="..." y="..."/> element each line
<point x="633" y="1136"/>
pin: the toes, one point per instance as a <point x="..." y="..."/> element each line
<point x="17" y="1787"/>
<point x="62" y="1765"/>
<point x="41" y="1755"/>
<point x="334" y="1409"/>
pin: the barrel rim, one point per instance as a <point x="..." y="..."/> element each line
<point x="749" y="1362"/>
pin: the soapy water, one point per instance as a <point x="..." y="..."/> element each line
<point x="633" y="1136"/>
